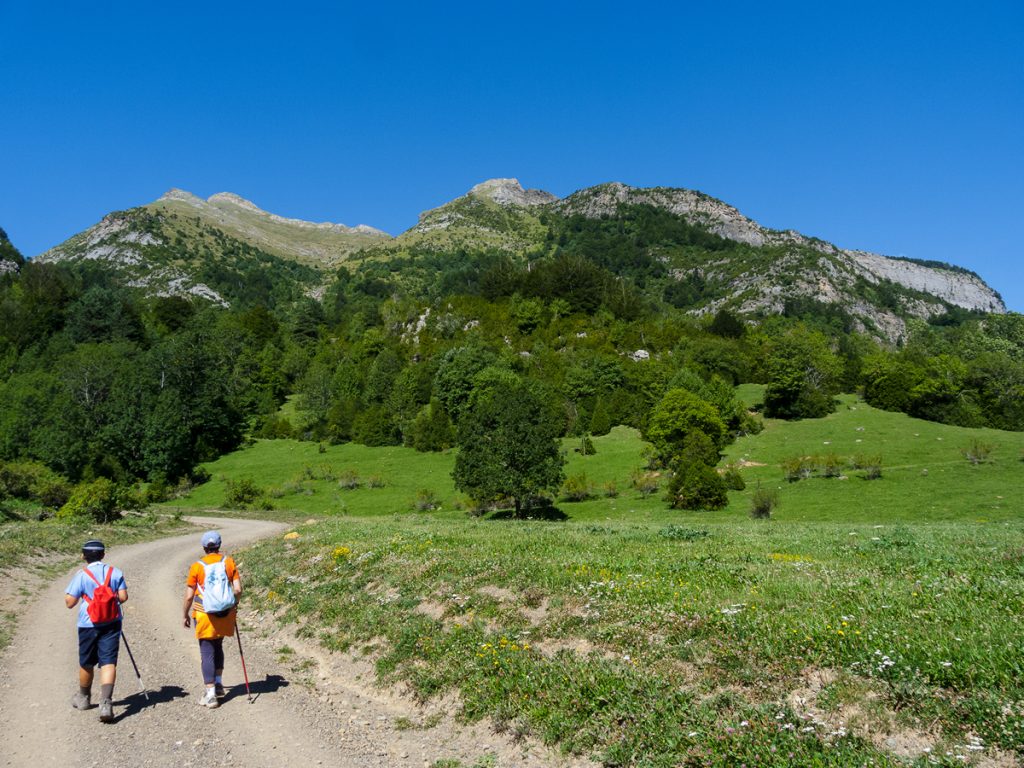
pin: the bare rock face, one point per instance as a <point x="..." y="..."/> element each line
<point x="840" y="267"/>
<point x="716" y="216"/>
<point x="960" y="288"/>
<point x="511" y="192"/>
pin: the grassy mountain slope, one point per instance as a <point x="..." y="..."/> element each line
<point x="322" y="245"/>
<point x="168" y="253"/>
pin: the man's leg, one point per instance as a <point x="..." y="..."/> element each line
<point x="85" y="678"/>
<point x="83" y="699"/>
<point x="87" y="658"/>
<point x="108" y="676"/>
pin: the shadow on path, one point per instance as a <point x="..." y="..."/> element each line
<point x="269" y="684"/>
<point x="136" y="702"/>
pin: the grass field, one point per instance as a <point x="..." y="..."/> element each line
<point x="866" y="622"/>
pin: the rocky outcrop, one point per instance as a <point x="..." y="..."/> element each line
<point x="704" y="210"/>
<point x="956" y="287"/>
<point x="511" y="192"/>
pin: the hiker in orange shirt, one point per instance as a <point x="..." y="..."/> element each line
<point x="211" y="594"/>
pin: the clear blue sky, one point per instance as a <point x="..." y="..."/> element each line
<point x="890" y="126"/>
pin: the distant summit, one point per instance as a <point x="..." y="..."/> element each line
<point x="511" y="192"/>
<point x="230" y="206"/>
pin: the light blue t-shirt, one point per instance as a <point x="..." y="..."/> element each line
<point x="82" y="585"/>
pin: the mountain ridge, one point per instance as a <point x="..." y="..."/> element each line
<point x="766" y="269"/>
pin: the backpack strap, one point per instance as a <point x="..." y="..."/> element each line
<point x="199" y="587"/>
<point x="106" y="581"/>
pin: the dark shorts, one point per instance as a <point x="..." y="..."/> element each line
<point x="99" y="644"/>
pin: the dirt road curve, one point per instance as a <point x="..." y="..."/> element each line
<point x="41" y="729"/>
<point x="344" y="722"/>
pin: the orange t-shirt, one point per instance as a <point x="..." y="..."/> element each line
<point x="209" y="626"/>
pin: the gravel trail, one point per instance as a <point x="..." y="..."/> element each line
<point x="340" y="720"/>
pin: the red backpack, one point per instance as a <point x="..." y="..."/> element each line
<point x="104" y="605"/>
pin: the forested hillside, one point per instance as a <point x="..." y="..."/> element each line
<point x="99" y="379"/>
<point x="611" y="307"/>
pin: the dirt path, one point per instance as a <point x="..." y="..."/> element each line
<point x="344" y="721"/>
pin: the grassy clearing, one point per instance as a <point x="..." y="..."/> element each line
<point x="924" y="474"/>
<point x="653" y="644"/>
<point x="866" y="621"/>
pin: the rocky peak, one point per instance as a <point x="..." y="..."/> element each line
<point x="230" y="198"/>
<point x="182" y="196"/>
<point x="511" y="192"/>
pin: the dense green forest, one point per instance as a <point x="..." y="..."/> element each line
<point x="98" y="380"/>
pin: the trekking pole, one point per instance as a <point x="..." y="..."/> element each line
<point x="238" y="637"/>
<point x="128" y="648"/>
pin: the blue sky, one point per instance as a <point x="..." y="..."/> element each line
<point x="892" y="127"/>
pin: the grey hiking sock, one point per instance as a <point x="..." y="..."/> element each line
<point x="107" y="691"/>
<point x="87" y="692"/>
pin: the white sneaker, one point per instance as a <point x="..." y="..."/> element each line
<point x="209" y="699"/>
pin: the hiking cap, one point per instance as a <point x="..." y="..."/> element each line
<point x="93" y="545"/>
<point x="211" y="539"/>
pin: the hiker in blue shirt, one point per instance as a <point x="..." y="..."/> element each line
<point x="98" y="590"/>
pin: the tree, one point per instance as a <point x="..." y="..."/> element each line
<point x="432" y="429"/>
<point x="695" y="484"/>
<point x="803" y="376"/>
<point x="680" y="413"/>
<point x="507" y="447"/>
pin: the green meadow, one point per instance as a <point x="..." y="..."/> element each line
<point x="869" y="621"/>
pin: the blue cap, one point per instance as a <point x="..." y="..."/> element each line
<point x="94" y="545"/>
<point x="211" y="539"/>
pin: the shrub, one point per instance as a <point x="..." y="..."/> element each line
<point x="977" y="452"/>
<point x="426" y="500"/>
<point x="32" y="481"/>
<point x="275" y="428"/>
<point x="375" y="481"/>
<point x="797" y="468"/>
<point x="158" y="491"/>
<point x="696" y="486"/>
<point x="587" y="446"/>
<point x="97" y="500"/>
<point x="870" y="466"/>
<point x="245" y="494"/>
<point x="349" y="480"/>
<point x="611" y="490"/>
<point x="644" y="482"/>
<point x="682" y="533"/>
<point x="576" y="488"/>
<point x="831" y="466"/>
<point x="763" y="502"/>
<point x="749" y="424"/>
<point x="733" y="479"/>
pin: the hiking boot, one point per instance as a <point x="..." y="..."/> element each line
<point x="106" y="711"/>
<point x="219" y="692"/>
<point x="81" y="701"/>
<point x="209" y="699"/>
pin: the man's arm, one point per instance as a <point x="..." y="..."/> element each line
<point x="70" y="601"/>
<point x="190" y="592"/>
<point x="122" y="595"/>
